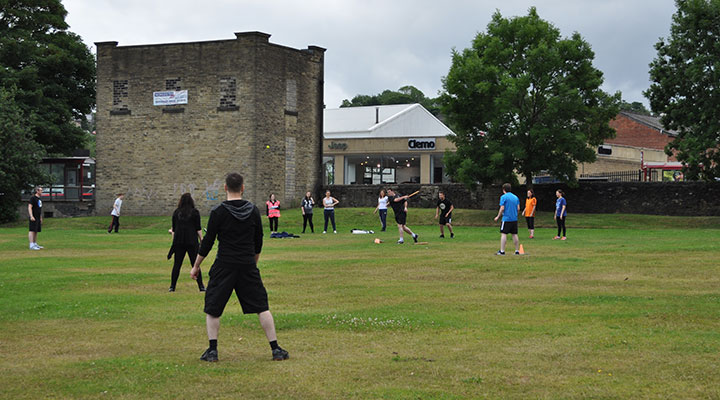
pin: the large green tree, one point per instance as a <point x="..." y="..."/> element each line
<point x="686" y="86"/>
<point x="522" y="99"/>
<point x="405" y="95"/>
<point x="20" y="156"/>
<point x="51" y="69"/>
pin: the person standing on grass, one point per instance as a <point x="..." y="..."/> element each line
<point x="185" y="232"/>
<point x="381" y="209"/>
<point x="306" y="207"/>
<point x="444" y="213"/>
<point x="237" y="225"/>
<point x="509" y="210"/>
<point x="529" y="212"/>
<point x="115" y="223"/>
<point x="272" y="210"/>
<point x="399" y="205"/>
<point x="329" y="204"/>
<point x="560" y="214"/>
<point x="35" y="216"/>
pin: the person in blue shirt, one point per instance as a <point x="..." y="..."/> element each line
<point x="509" y="210"/>
<point x="560" y="214"/>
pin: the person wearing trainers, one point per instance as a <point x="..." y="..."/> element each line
<point x="329" y="204"/>
<point x="399" y="205"/>
<point x="35" y="216"/>
<point x="509" y="210"/>
<point x="237" y="225"/>
<point x="186" y="231"/>
<point x="306" y="207"/>
<point x="381" y="209"/>
<point x="443" y="213"/>
<point x="560" y="214"/>
<point x="115" y="223"/>
<point x="529" y="212"/>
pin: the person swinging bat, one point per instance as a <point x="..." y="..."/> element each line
<point x="399" y="206"/>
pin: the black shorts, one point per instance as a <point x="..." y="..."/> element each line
<point x="530" y="222"/>
<point x="35" y="226"/>
<point x="442" y="220"/>
<point x="401" y="218"/>
<point x="244" y="279"/>
<point x="509" y="227"/>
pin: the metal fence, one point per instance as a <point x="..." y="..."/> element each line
<point x="637" y="175"/>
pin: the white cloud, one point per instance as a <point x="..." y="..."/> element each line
<point x="375" y="45"/>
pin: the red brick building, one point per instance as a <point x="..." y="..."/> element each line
<point x="639" y="138"/>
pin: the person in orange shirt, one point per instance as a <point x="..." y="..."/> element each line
<point x="529" y="212"/>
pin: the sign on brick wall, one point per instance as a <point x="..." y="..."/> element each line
<point x="170" y="97"/>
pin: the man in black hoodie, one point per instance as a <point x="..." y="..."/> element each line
<point x="238" y="227"/>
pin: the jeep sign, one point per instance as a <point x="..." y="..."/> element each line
<point x="421" y="144"/>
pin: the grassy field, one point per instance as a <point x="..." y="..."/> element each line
<point x="628" y="307"/>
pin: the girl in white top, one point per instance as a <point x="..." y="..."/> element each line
<point x="329" y="204"/>
<point x="382" y="208"/>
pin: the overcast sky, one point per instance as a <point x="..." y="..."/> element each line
<point x="373" y="45"/>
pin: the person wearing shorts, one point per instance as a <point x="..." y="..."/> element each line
<point x="529" y="212"/>
<point x="237" y="225"/>
<point x="443" y="213"/>
<point x="35" y="218"/>
<point x="509" y="210"/>
<point x="399" y="206"/>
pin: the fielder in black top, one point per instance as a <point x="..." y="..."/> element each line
<point x="399" y="206"/>
<point x="186" y="231"/>
<point x="443" y="213"/>
<point x="237" y="225"/>
<point x="35" y="217"/>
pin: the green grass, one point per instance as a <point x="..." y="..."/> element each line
<point x="628" y="307"/>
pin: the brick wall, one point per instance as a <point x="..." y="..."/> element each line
<point x="254" y="107"/>
<point x="632" y="133"/>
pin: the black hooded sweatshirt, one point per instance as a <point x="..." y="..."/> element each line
<point x="238" y="228"/>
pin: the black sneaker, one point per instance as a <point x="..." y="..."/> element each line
<point x="209" y="355"/>
<point x="452" y="235"/>
<point x="517" y="253"/>
<point x="500" y="253"/>
<point x="280" y="354"/>
<point x="415" y="236"/>
<point x="202" y="288"/>
<point x="442" y="236"/>
<point x="172" y="289"/>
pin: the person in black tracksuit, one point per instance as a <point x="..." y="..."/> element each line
<point x="237" y="225"/>
<point x="186" y="231"/>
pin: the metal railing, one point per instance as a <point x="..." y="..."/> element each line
<point x="622" y="176"/>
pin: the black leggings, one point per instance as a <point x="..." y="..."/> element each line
<point x="114" y="224"/>
<point x="273" y="221"/>
<point x="561" y="225"/>
<point x="180" y="251"/>
<point x="307" y="218"/>
<point x="329" y="215"/>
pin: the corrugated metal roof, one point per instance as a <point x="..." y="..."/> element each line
<point x="399" y="120"/>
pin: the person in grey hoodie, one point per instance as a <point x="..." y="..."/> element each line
<point x="237" y="225"/>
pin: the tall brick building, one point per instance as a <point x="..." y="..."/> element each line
<point x="175" y="118"/>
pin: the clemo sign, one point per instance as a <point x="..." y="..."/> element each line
<point x="421" y="144"/>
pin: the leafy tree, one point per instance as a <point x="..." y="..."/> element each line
<point x="686" y="83"/>
<point x="52" y="70"/>
<point x="405" y="95"/>
<point x="20" y="156"/>
<point x="522" y="99"/>
<point x="635" y="107"/>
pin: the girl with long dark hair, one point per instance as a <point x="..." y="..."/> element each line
<point x="307" y="211"/>
<point x="186" y="231"/>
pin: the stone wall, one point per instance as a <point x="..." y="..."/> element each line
<point x="658" y="198"/>
<point x="253" y="107"/>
